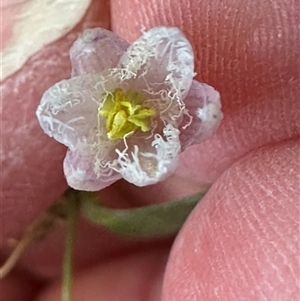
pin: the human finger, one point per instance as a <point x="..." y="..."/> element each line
<point x="242" y="240"/>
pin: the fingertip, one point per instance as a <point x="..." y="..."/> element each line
<point x="242" y="240"/>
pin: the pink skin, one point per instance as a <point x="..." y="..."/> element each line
<point x="242" y="241"/>
<point x="9" y="14"/>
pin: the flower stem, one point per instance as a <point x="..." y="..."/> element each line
<point x="144" y="222"/>
<point x="67" y="269"/>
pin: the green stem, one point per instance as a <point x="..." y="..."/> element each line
<point x="143" y="222"/>
<point x="74" y="206"/>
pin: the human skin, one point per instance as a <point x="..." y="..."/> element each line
<point x="242" y="241"/>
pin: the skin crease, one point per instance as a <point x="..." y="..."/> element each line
<point x="247" y="51"/>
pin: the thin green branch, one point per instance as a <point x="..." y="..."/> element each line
<point x="37" y="230"/>
<point x="67" y="269"/>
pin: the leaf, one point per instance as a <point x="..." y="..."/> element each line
<point x="144" y="222"/>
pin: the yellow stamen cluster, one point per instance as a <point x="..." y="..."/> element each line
<point x="125" y="114"/>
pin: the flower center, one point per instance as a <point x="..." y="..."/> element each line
<point x="125" y="113"/>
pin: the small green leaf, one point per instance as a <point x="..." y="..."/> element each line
<point x="150" y="221"/>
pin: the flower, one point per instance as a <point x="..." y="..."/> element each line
<point x="128" y="110"/>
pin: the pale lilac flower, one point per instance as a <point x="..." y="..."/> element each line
<point x="128" y="110"/>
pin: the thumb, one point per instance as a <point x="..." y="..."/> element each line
<point x="242" y="241"/>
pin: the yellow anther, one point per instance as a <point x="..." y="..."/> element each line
<point x="125" y="113"/>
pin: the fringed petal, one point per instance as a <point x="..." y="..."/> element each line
<point x="147" y="161"/>
<point x="68" y="111"/>
<point x="81" y="174"/>
<point x="164" y="55"/>
<point x="203" y="114"/>
<point x="95" y="50"/>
